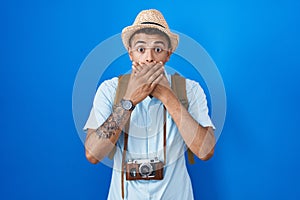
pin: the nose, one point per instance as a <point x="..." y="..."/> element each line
<point x="149" y="55"/>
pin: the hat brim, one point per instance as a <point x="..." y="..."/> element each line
<point x="129" y="30"/>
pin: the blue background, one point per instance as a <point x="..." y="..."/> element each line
<point x="255" y="45"/>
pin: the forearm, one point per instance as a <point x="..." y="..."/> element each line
<point x="199" y="139"/>
<point x="99" y="142"/>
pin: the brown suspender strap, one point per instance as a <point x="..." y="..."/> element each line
<point x="120" y="92"/>
<point x="179" y="87"/>
<point x="122" y="86"/>
<point x="191" y="156"/>
<point x="124" y="156"/>
<point x="165" y="136"/>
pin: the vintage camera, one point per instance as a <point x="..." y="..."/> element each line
<point x="144" y="169"/>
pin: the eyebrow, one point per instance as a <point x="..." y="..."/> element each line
<point x="139" y="41"/>
<point x="160" y="42"/>
<point x="143" y="42"/>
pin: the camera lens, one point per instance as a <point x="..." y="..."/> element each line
<point x="145" y="169"/>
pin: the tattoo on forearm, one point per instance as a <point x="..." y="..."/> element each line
<point x="115" y="122"/>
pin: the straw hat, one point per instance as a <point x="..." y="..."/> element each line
<point x="149" y="19"/>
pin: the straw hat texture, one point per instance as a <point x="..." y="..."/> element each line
<point x="149" y="19"/>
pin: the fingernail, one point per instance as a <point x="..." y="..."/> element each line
<point x="161" y="62"/>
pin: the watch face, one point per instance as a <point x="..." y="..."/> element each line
<point x="126" y="104"/>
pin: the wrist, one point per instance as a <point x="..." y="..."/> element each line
<point x="130" y="98"/>
<point x="166" y="96"/>
<point x="169" y="98"/>
<point x="127" y="104"/>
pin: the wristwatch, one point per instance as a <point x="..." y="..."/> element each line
<point x="127" y="105"/>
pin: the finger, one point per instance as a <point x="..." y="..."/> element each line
<point x="156" y="74"/>
<point x="161" y="62"/>
<point x="149" y="69"/>
<point x="143" y="68"/>
<point x="156" y="68"/>
<point x="135" y="70"/>
<point x="152" y="64"/>
<point x="156" y="81"/>
<point x="136" y="66"/>
<point x="139" y="68"/>
<point x="148" y="65"/>
<point x="141" y="64"/>
<point x="135" y="63"/>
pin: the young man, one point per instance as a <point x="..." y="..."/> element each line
<point x="152" y="164"/>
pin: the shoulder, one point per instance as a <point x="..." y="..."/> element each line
<point x="107" y="89"/>
<point x="192" y="85"/>
<point x="195" y="92"/>
<point x="109" y="84"/>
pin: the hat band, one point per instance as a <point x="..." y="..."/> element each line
<point x="153" y="23"/>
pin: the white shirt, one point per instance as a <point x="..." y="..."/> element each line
<point x="146" y="141"/>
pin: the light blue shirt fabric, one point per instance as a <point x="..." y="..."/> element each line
<point x="146" y="141"/>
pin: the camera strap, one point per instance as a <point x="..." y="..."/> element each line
<point x="126" y="143"/>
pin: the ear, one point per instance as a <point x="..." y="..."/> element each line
<point x="130" y="53"/>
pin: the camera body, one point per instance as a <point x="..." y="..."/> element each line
<point x="144" y="169"/>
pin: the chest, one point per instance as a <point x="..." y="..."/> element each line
<point x="147" y="129"/>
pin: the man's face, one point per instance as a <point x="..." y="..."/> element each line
<point x="149" y="48"/>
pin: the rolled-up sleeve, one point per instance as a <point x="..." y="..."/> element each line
<point x="102" y="104"/>
<point x="198" y="104"/>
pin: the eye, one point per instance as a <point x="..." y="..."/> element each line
<point x="141" y="50"/>
<point x="158" y="49"/>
